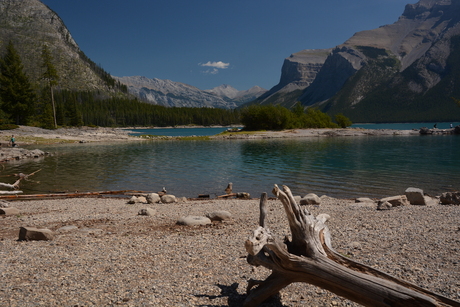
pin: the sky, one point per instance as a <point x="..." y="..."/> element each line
<point x="207" y="43"/>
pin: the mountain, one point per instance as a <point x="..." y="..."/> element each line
<point x="239" y="97"/>
<point x="406" y="71"/>
<point x="29" y="24"/>
<point x="176" y="94"/>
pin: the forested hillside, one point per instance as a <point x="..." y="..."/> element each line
<point x="47" y="81"/>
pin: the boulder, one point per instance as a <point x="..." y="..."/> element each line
<point x="192" y="220"/>
<point x="132" y="200"/>
<point x="219" y="215"/>
<point x="147" y="211"/>
<point x="450" y="198"/>
<point x="415" y="196"/>
<point x="67" y="228"/>
<point x="137" y="200"/>
<point x="9" y="211"/>
<point x="430" y="201"/>
<point x="297" y="199"/>
<point x="153" y="198"/>
<point x="35" y="234"/>
<point x="384" y="205"/>
<point x="310" y="199"/>
<point x="142" y="200"/>
<point x="396" y="201"/>
<point x="168" y="199"/>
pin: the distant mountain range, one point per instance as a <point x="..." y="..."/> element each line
<point x="175" y="94"/>
<point x="406" y="71"/>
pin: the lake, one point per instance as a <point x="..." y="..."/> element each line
<point x="348" y="167"/>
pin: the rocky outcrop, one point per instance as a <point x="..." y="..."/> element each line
<point x="298" y="72"/>
<point x="14" y="154"/>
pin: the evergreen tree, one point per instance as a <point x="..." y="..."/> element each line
<point x="50" y="76"/>
<point x="45" y="110"/>
<point x="16" y="93"/>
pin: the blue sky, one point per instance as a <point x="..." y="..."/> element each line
<point x="206" y="43"/>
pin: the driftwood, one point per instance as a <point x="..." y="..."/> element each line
<point x="66" y="195"/>
<point x="15" y="185"/>
<point x="309" y="257"/>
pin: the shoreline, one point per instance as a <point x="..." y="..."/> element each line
<point x="26" y="135"/>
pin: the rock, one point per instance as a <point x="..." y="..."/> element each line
<point x="153" y="198"/>
<point x="363" y="200"/>
<point x="310" y="199"/>
<point x="450" y="198"/>
<point x="168" y="199"/>
<point x="430" y="201"/>
<point x="137" y="200"/>
<point x="9" y="211"/>
<point x="219" y="215"/>
<point x="147" y="211"/>
<point x="395" y="201"/>
<point x="132" y="200"/>
<point x="35" y="234"/>
<point x="67" y="228"/>
<point x="4" y="204"/>
<point x="297" y="199"/>
<point x="194" y="220"/>
<point x="384" y="205"/>
<point x="243" y="195"/>
<point x="415" y="196"/>
<point x="355" y="245"/>
<point x="142" y="199"/>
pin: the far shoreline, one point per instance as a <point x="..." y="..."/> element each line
<point x="26" y="135"/>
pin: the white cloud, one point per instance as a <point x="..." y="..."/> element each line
<point x="216" y="65"/>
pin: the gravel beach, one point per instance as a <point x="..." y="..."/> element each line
<point x="115" y="257"/>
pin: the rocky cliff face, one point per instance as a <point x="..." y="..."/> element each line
<point x="398" y="72"/>
<point x="175" y="94"/>
<point x="298" y="72"/>
<point x="30" y="24"/>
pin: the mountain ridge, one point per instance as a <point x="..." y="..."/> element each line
<point x="176" y="94"/>
<point x="407" y="60"/>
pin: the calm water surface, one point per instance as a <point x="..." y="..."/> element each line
<point x="339" y="166"/>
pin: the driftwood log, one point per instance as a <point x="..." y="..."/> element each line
<point x="15" y="185"/>
<point x="309" y="257"/>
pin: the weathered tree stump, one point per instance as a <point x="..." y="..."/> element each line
<point x="309" y="257"/>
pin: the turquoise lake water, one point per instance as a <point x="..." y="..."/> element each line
<point x="373" y="166"/>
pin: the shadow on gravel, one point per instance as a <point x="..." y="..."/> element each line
<point x="236" y="300"/>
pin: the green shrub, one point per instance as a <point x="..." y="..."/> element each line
<point x="342" y="120"/>
<point x="270" y="117"/>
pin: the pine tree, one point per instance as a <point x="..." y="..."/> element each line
<point x="16" y="93"/>
<point x="50" y="76"/>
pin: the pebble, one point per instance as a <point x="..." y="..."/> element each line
<point x="116" y="257"/>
